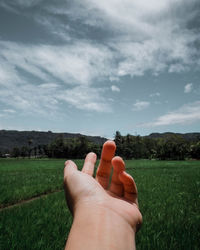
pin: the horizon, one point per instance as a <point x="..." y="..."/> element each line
<point x="49" y="131"/>
<point x="100" y="67"/>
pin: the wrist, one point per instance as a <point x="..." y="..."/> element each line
<point x="100" y="212"/>
<point x="129" y="213"/>
<point x="104" y="226"/>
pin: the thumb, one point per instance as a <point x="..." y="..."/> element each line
<point x="70" y="167"/>
<point x="70" y="171"/>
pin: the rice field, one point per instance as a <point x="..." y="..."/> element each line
<point x="169" y="198"/>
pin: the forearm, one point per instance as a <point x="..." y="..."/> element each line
<point x="100" y="229"/>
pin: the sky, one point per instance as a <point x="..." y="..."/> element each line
<point x="95" y="67"/>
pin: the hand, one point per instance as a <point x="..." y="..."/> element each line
<point x="83" y="191"/>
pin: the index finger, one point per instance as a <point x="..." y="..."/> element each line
<point x="105" y="166"/>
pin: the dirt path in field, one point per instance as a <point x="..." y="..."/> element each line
<point x="8" y="206"/>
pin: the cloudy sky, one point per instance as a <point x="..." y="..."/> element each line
<point x="94" y="67"/>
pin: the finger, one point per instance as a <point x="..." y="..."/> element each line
<point x="116" y="185"/>
<point x="130" y="189"/>
<point x="89" y="163"/>
<point x="105" y="166"/>
<point x="69" y="171"/>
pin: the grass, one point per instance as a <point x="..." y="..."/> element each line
<point x="41" y="224"/>
<point x="169" y="197"/>
<point x="169" y="201"/>
<point x="23" y="179"/>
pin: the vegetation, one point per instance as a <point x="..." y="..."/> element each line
<point x="61" y="147"/>
<point x="10" y="139"/>
<point x="40" y="224"/>
<point x="169" y="194"/>
<point x="75" y="148"/>
<point x="169" y="146"/>
<point x="22" y="179"/>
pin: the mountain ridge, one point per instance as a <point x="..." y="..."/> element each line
<point x="10" y="139"/>
<point x="187" y="136"/>
<point x="14" y="138"/>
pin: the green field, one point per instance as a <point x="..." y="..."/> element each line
<point x="169" y="197"/>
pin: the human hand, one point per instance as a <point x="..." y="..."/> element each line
<point x="83" y="191"/>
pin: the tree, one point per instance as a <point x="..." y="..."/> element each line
<point x="173" y="147"/>
<point x="56" y="148"/>
<point x="35" y="151"/>
<point x="15" y="152"/>
<point x="119" y="143"/>
<point x="24" y="151"/>
<point x="149" y="148"/>
<point x="40" y="150"/>
<point x="30" y="142"/>
<point x="83" y="147"/>
<point x="195" y="150"/>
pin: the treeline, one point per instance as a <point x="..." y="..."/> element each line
<point x="172" y="147"/>
<point x="69" y="148"/>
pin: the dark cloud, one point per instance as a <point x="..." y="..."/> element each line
<point x="21" y="28"/>
<point x="85" y="42"/>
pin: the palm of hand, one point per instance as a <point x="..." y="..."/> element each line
<point x="120" y="196"/>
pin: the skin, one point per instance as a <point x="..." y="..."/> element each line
<point x="106" y="216"/>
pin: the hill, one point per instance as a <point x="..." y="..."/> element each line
<point x="187" y="136"/>
<point x="12" y="138"/>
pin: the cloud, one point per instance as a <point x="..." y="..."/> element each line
<point x="11" y="111"/>
<point x="29" y="99"/>
<point x="54" y="69"/>
<point x="187" y="114"/>
<point x="17" y="4"/>
<point x="188" y="88"/>
<point x="85" y="98"/>
<point x="48" y="99"/>
<point x="140" y="105"/>
<point x="178" y="68"/>
<point x="5" y="113"/>
<point x="95" y="41"/>
<point x="139" y="36"/>
<point x="114" y="88"/>
<point x="114" y="78"/>
<point x="154" y="94"/>
<point x="78" y="63"/>
<point x="8" y="73"/>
